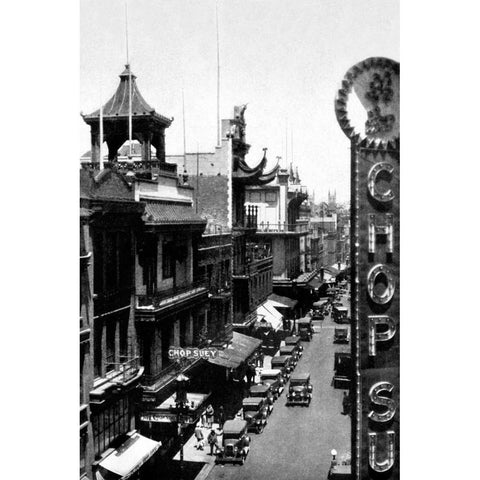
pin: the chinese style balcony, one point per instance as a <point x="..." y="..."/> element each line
<point x="190" y="293"/>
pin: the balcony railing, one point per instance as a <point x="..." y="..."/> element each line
<point x="249" y="219"/>
<point x="134" y="166"/>
<point x="267" y="227"/>
<point x="162" y="298"/>
<point x="253" y="266"/>
<point x="122" y="371"/>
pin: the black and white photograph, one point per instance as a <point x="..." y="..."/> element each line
<point x="239" y="239"/>
<point x="207" y="248"/>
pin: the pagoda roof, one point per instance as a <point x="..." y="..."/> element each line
<point x="250" y="175"/>
<point x="118" y="105"/>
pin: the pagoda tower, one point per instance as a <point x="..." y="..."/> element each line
<point x="148" y="126"/>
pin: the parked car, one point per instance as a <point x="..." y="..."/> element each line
<point x="263" y="391"/>
<point x="274" y="379"/>
<point x="290" y="351"/>
<point x="340" y="314"/>
<point x="305" y="328"/>
<point x="300" y="390"/>
<point x="235" y="442"/>
<point x="294" y="340"/>
<point x="317" y="314"/>
<point x="284" y="364"/>
<point x="343" y="369"/>
<point x="255" y="413"/>
<point x="341" y="335"/>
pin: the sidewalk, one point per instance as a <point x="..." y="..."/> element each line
<point x="191" y="454"/>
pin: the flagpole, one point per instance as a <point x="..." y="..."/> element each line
<point x="218" y="78"/>
<point x="129" y="86"/>
<point x="184" y="134"/>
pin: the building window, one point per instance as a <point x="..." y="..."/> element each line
<point x="168" y="260"/>
<point x="110" y="424"/>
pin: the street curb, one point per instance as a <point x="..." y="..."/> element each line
<point x="207" y="468"/>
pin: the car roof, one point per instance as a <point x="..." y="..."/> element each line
<point x="280" y="359"/>
<point x="291" y="340"/>
<point x="288" y="348"/>
<point x="272" y="371"/>
<point x="252" y="401"/>
<point x="301" y="321"/>
<point x="234" y="426"/>
<point x="300" y="377"/>
<point x="259" y="388"/>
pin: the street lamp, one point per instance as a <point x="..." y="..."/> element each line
<point x="181" y="408"/>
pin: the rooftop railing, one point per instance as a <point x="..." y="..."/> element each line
<point x="122" y="371"/>
<point x="267" y="227"/>
<point x="133" y="165"/>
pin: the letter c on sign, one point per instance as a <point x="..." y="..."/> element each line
<point x="387" y="295"/>
<point x="372" y="182"/>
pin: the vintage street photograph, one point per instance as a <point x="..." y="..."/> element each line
<point x="239" y="239"/>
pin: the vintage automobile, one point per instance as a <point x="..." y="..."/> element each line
<point x="293" y="340"/>
<point x="291" y="351"/>
<point x="340" y="314"/>
<point x="300" y="390"/>
<point x="263" y="391"/>
<point x="343" y="369"/>
<point x="317" y="314"/>
<point x="235" y="443"/>
<point x="284" y="364"/>
<point x="305" y="328"/>
<point x="255" y="413"/>
<point x="341" y="335"/>
<point x="274" y="379"/>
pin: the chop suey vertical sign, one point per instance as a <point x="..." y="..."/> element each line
<point x="367" y="109"/>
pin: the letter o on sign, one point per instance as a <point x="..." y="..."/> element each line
<point x="374" y="274"/>
<point x="372" y="182"/>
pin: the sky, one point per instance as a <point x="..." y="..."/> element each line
<point x="286" y="59"/>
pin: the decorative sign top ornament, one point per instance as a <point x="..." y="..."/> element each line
<point x="367" y="104"/>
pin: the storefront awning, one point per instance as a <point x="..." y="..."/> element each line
<point x="128" y="458"/>
<point x="268" y="313"/>
<point x="280" y="301"/>
<point x="240" y="349"/>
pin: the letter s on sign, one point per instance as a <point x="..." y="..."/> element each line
<point x="382" y="401"/>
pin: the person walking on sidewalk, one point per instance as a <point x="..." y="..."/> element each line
<point x="221" y="417"/>
<point x="199" y="436"/>
<point x="212" y="441"/>
<point x="210" y="413"/>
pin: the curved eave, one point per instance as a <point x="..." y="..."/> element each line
<point x="118" y="105"/>
<point x="270" y="176"/>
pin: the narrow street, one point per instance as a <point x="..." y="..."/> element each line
<point x="297" y="441"/>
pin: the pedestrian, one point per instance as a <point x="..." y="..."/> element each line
<point x="221" y="417"/>
<point x="346" y="404"/>
<point x="199" y="436"/>
<point x="204" y="419"/>
<point x="261" y="359"/>
<point x="210" y="413"/>
<point x="212" y="441"/>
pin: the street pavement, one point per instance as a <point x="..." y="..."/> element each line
<point x="297" y="441"/>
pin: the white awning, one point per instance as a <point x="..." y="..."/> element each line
<point x="130" y="456"/>
<point x="270" y="314"/>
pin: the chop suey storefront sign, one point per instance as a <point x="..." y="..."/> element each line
<point x="367" y="109"/>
